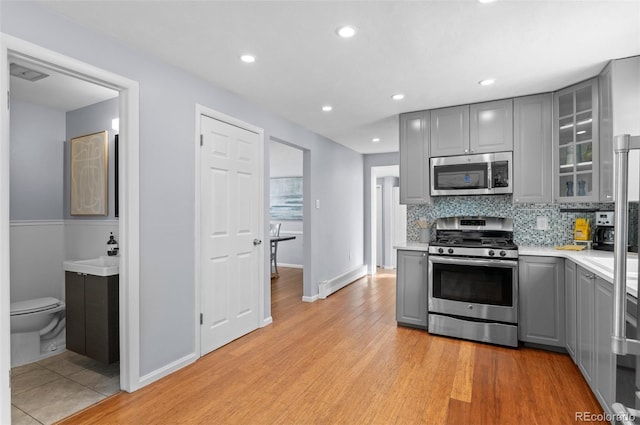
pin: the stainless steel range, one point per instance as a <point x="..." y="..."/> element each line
<point x="473" y="280"/>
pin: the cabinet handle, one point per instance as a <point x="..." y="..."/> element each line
<point x="609" y="196"/>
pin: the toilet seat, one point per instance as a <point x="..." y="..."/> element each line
<point x="37" y="304"/>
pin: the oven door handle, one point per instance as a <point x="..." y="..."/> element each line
<point x="482" y="262"/>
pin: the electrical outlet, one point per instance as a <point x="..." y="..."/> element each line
<point x="542" y="223"/>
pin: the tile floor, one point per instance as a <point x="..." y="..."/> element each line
<point x="54" y="388"/>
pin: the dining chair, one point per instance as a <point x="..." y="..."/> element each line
<point x="274" y="232"/>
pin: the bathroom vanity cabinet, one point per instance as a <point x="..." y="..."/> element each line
<point x="92" y="316"/>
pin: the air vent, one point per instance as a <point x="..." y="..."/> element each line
<point x="26" y="73"/>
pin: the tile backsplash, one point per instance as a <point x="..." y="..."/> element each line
<point x="525" y="216"/>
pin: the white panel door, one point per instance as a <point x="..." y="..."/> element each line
<point x="230" y="218"/>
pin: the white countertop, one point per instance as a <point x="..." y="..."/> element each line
<point x="413" y="246"/>
<point x="598" y="262"/>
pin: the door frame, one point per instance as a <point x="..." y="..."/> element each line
<point x="216" y="115"/>
<point x="128" y="197"/>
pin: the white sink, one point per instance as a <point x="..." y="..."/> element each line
<point x="607" y="263"/>
<point x="101" y="266"/>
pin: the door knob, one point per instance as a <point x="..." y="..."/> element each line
<point x="257" y="241"/>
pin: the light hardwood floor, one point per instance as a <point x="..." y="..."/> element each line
<point x="345" y="361"/>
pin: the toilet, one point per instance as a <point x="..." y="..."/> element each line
<point x="37" y="329"/>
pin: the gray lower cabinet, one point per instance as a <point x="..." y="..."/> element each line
<point x="605" y="360"/>
<point x="570" y="307"/>
<point x="585" y="337"/>
<point x="594" y="356"/>
<point x="414" y="158"/>
<point x="532" y="149"/>
<point x="411" y="289"/>
<point x="92" y="316"/>
<point x="541" y="301"/>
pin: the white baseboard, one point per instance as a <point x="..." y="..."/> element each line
<point x="330" y="286"/>
<point x="166" y="370"/>
<point x="292" y="266"/>
<point x="310" y="299"/>
<point x="266" y="321"/>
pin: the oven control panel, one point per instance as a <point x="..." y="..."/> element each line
<point x="474" y="252"/>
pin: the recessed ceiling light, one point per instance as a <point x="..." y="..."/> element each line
<point x="486" y="82"/>
<point x="248" y="58"/>
<point x="375" y="139"/>
<point x="327" y="108"/>
<point x="346" y="31"/>
<point x="486" y="1"/>
<point x="398" y="96"/>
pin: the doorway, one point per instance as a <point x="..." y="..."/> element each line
<point x="286" y="211"/>
<point x="388" y="217"/>
<point x="16" y="49"/>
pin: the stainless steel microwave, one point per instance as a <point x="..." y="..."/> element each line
<point x="482" y="174"/>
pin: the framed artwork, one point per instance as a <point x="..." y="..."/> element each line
<point x="90" y="174"/>
<point x="286" y="198"/>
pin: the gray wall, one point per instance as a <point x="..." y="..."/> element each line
<point x="373" y="160"/>
<point x="83" y="121"/>
<point x="37" y="138"/>
<point x="167" y="181"/>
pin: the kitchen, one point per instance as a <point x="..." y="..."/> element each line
<point x="168" y="95"/>
<point x="512" y="264"/>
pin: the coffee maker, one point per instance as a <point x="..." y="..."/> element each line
<point x="604" y="234"/>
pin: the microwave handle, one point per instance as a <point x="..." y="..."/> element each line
<point x="490" y="174"/>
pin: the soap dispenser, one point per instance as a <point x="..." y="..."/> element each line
<point x="112" y="245"/>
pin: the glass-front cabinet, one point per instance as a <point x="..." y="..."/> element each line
<point x="576" y="143"/>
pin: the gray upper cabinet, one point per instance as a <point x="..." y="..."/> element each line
<point x="469" y="129"/>
<point x="541" y="301"/>
<point x="575" y="142"/>
<point x="619" y="91"/>
<point x="606" y="136"/>
<point x="491" y="126"/>
<point x="532" y="149"/>
<point x="414" y="158"/>
<point x="450" y="131"/>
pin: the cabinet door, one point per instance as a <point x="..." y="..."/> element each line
<point x="532" y="149"/>
<point x="585" y="324"/>
<point x="541" y="300"/>
<point x="570" y="307"/>
<point x="450" y="131"/>
<point x="605" y="367"/>
<point x="101" y="301"/>
<point x="74" y="312"/>
<point x="619" y="89"/>
<point x="414" y="158"/>
<point x="491" y="126"/>
<point x="411" y="288"/>
<point x="606" y="135"/>
<point x="576" y="162"/>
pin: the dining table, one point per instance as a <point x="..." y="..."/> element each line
<point x="275" y="240"/>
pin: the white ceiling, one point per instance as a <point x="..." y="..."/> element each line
<point x="435" y="52"/>
<point x="57" y="91"/>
